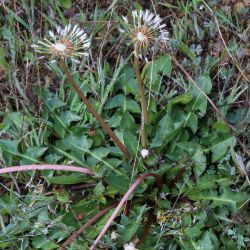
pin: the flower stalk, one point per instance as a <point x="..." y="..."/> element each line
<point x="143" y="102"/>
<point x="146" y="31"/>
<point x="94" y="112"/>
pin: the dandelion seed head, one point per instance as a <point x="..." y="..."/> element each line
<point x="60" y="47"/>
<point x="140" y="36"/>
<point x="145" y="30"/>
<point x="70" y="42"/>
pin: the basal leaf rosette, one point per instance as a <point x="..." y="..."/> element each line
<point x="70" y="43"/>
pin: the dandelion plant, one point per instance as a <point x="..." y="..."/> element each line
<point x="72" y="43"/>
<point x="146" y="32"/>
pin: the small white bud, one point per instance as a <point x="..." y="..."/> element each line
<point x="144" y="153"/>
<point x="129" y="246"/>
<point x="114" y="235"/>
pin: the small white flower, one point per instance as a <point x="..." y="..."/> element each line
<point x="146" y="30"/>
<point x="202" y="7"/>
<point x="144" y="153"/>
<point x="129" y="246"/>
<point x="114" y="235"/>
<point x="70" y="42"/>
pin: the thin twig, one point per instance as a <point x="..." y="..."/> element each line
<point x="85" y="226"/>
<point x="93" y="111"/>
<point x="143" y="102"/>
<point x="46" y="167"/>
<point x="121" y="203"/>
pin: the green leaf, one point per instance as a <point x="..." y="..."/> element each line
<point x="195" y="230"/>
<point x="187" y="51"/>
<point x="209" y="241"/>
<point x="120" y="183"/>
<point x="115" y="102"/>
<point x="99" y="192"/>
<point x="183" y="98"/>
<point x="52" y="103"/>
<point x="200" y="102"/>
<point x="226" y="198"/>
<point x="220" y="148"/>
<point x="2" y="52"/>
<point x="133" y="106"/>
<point x="192" y="122"/>
<point x="41" y="242"/>
<point x="32" y="154"/>
<point x="160" y="65"/>
<point x="128" y="122"/>
<point x="196" y="152"/>
<point x="130" y="141"/>
<point x="67" y="4"/>
<point x="99" y="189"/>
<point x="9" y="149"/>
<point x="20" y="121"/>
<point x="75" y="143"/>
<point x="63" y="197"/>
<point x="73" y="178"/>
<point x="68" y="116"/>
<point x="98" y="153"/>
<point x="166" y="130"/>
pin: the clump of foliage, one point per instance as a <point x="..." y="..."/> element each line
<point x="200" y="153"/>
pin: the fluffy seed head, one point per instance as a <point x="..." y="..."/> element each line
<point x="70" y="42"/>
<point x="145" y="30"/>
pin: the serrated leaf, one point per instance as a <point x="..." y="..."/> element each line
<point x="226" y="198"/>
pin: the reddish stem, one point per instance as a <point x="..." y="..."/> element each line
<point x="46" y="167"/>
<point x="85" y="226"/>
<point x="121" y="203"/>
<point x="177" y="177"/>
<point x="147" y="227"/>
